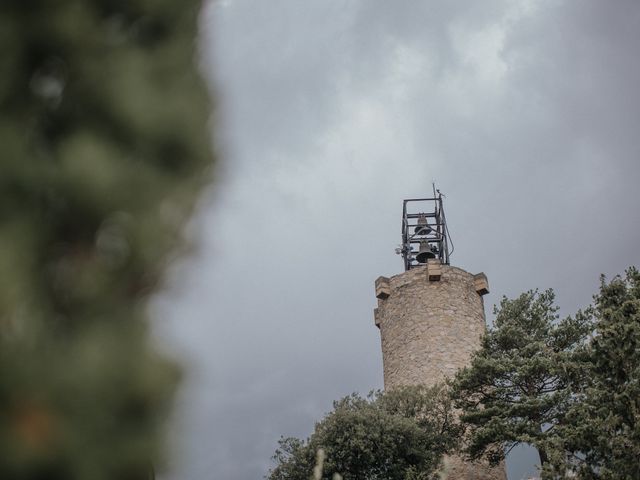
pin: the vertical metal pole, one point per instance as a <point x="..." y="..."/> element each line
<point x="405" y="243"/>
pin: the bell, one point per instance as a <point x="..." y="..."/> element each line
<point x="423" y="227"/>
<point x="425" y="252"/>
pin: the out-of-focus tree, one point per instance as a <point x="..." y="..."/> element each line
<point x="104" y="147"/>
<point x="401" y="434"/>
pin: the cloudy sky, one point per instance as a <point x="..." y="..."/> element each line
<point x="526" y="114"/>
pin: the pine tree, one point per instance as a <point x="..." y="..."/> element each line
<point x="518" y="386"/>
<point x="104" y="149"/>
<point x="602" y="431"/>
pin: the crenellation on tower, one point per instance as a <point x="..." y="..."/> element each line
<point x="382" y="288"/>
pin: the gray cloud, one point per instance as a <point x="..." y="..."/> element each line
<point x="330" y="113"/>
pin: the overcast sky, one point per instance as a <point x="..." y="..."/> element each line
<point x="526" y="114"/>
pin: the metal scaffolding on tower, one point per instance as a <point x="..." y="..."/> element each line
<point x="424" y="226"/>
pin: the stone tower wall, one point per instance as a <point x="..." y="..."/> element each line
<point x="429" y="329"/>
<point x="431" y="320"/>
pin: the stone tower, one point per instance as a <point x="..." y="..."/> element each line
<point x="431" y="317"/>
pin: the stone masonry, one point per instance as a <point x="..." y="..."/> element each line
<point x="431" y="320"/>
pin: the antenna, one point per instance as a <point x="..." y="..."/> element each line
<point x="424" y="226"/>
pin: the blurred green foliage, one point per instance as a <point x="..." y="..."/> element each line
<point x="104" y="147"/>
<point x="397" y="435"/>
